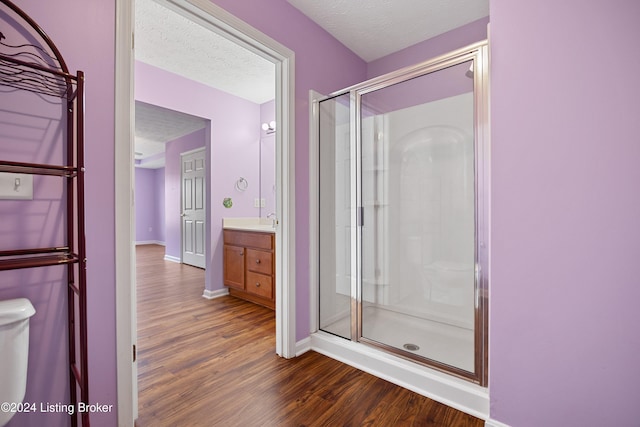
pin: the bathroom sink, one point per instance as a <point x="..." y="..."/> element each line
<point x="264" y="225"/>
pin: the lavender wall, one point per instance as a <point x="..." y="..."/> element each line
<point x="149" y="211"/>
<point x="565" y="234"/>
<point x="87" y="43"/>
<point x="268" y="160"/>
<point x="159" y="189"/>
<point x="173" y="185"/>
<point x="564" y="339"/>
<point x="564" y="215"/>
<point x="455" y="39"/>
<point x="322" y="64"/>
<point x="232" y="142"/>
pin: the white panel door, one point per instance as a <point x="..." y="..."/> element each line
<point x="193" y="208"/>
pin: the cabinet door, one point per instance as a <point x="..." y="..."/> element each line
<point x="234" y="266"/>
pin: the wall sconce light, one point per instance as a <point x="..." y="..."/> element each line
<point x="269" y="127"/>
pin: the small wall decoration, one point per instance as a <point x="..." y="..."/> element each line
<point x="227" y="202"/>
<point x="242" y="184"/>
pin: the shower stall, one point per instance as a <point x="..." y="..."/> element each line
<point x="403" y="213"/>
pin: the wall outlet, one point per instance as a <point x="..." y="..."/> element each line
<point x="262" y="203"/>
<point x="256" y="203"/>
<point x="16" y="186"/>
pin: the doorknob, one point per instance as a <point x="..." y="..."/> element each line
<point x="183" y="214"/>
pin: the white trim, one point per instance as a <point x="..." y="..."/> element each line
<point x="127" y="371"/>
<point x="149" y="242"/>
<point x="285" y="206"/>
<point x="195" y="150"/>
<point x="215" y="294"/>
<point x="216" y="19"/>
<point x="444" y="388"/>
<point x="493" y="423"/>
<point x="303" y="346"/>
<point x="172" y="258"/>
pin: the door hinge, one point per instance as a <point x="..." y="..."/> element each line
<point x="360" y="219"/>
<point x="134" y="353"/>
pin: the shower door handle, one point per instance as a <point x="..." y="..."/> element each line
<point x="360" y="219"/>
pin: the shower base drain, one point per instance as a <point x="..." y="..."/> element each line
<point x="411" y="347"/>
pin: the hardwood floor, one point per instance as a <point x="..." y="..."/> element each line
<point x="213" y="363"/>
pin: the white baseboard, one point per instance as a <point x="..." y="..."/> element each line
<point x="494" y="423"/>
<point x="172" y="259"/>
<point x="451" y="391"/>
<point x="215" y="294"/>
<point x="150" y="242"/>
<point x="303" y="346"/>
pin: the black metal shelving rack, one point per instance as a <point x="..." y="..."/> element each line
<point x="41" y="69"/>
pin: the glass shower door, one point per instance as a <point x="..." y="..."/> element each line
<point x="403" y="213"/>
<point x="336" y="228"/>
<point x="417" y="196"/>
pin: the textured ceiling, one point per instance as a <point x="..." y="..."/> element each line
<point x="375" y="28"/>
<point x="155" y="126"/>
<point x="370" y="28"/>
<point x="168" y="40"/>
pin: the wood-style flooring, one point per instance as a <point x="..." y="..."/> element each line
<point x="213" y="363"/>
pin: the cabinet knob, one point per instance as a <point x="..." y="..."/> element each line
<point x="257" y="284"/>
<point x="241" y="252"/>
<point x="257" y="261"/>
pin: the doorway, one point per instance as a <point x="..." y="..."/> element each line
<point x="221" y="22"/>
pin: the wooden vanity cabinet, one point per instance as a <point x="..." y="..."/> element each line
<point x="248" y="265"/>
<point x="234" y="266"/>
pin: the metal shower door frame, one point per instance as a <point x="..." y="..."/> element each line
<point x="478" y="53"/>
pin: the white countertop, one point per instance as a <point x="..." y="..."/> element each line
<point x="263" y="225"/>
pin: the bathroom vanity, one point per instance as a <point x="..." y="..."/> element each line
<point x="249" y="262"/>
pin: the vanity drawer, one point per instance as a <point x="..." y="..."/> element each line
<point x="248" y="239"/>
<point x="260" y="261"/>
<point x="259" y="284"/>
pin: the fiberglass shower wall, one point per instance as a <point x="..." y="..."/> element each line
<point x="401" y="213"/>
<point x="418" y="233"/>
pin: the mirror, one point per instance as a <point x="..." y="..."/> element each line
<point x="267" y="160"/>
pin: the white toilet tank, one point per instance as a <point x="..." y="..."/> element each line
<point x="14" y="351"/>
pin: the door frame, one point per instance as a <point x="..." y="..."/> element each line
<point x="227" y="25"/>
<point x="206" y="230"/>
